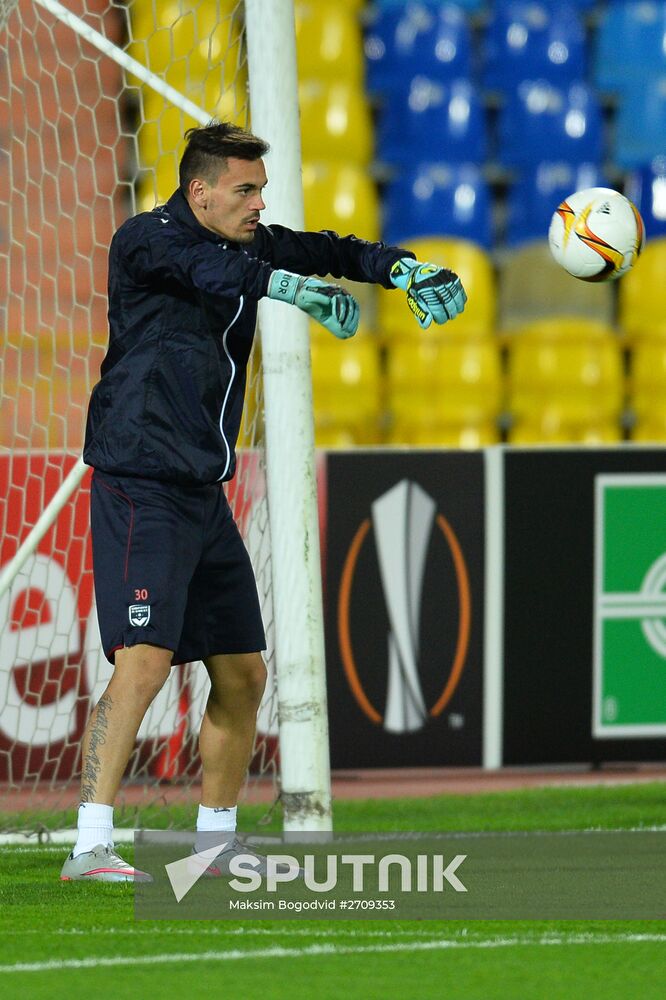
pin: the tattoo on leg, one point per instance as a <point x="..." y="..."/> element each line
<point x="97" y="738"/>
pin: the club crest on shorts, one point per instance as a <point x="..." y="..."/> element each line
<point x="139" y="614"/>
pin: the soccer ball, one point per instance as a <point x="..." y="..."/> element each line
<point x="596" y="234"/>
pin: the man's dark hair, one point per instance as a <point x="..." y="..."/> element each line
<point x="209" y="146"/>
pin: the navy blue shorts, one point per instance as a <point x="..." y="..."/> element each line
<point x="171" y="569"/>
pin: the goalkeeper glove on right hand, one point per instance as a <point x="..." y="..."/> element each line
<point x="330" y="305"/>
<point x="433" y="292"/>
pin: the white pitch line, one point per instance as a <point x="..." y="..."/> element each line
<point x="465" y="934"/>
<point x="219" y="933"/>
<point x="319" y="950"/>
<point x="421" y="835"/>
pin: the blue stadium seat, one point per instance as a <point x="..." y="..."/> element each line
<point x="437" y="199"/>
<point x="539" y="121"/>
<point x="416" y="38"/>
<point x="529" y="41"/>
<point x="537" y="193"/>
<point x="646" y="186"/>
<point x="433" y="121"/>
<point x="470" y="5"/>
<point x="640" y="132"/>
<point x="630" y="43"/>
<point x="580" y="5"/>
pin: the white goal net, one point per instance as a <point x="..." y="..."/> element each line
<point x="85" y="144"/>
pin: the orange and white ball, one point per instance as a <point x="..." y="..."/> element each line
<point x="596" y="234"/>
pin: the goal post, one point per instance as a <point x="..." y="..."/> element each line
<point x="52" y="664"/>
<point x="289" y="428"/>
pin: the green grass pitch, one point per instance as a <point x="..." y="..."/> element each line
<point x="67" y="940"/>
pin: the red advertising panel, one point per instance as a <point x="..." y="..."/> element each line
<point x="52" y="668"/>
<point x="44" y="620"/>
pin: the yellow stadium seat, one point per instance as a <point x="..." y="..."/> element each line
<point x="341" y="197"/>
<point x="252" y="424"/>
<point x="532" y="286"/>
<point x="642" y="294"/>
<point x="566" y="372"/>
<point x="565" y="327"/>
<point x="332" y="435"/>
<point x="647" y="379"/>
<point x="158" y="185"/>
<point x="475" y="269"/>
<point x="346" y="389"/>
<point x="183" y="42"/>
<point x="335" y="122"/>
<point x="473" y="435"/>
<point x="164" y="125"/>
<point x="329" y="43"/>
<point x="555" y="427"/>
<point x="650" y="428"/>
<point x="447" y="391"/>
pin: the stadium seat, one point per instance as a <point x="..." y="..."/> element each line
<point x="646" y="187"/>
<point x="564" y="374"/>
<point x="412" y="38"/>
<point x="640" y="127"/>
<point x="540" y="118"/>
<point x="641" y="30"/>
<point x="341" y="197"/>
<point x="532" y="286"/>
<point x="157" y="186"/>
<point x="432" y="121"/>
<point x="642" y="294"/>
<point x="580" y="5"/>
<point x="161" y="133"/>
<point x="184" y="43"/>
<point x="458" y="435"/>
<point x="554" y="426"/>
<point x="647" y="378"/>
<point x="335" y="122"/>
<point x="346" y="390"/>
<point x="537" y="192"/>
<point x="650" y="429"/>
<point x="475" y="269"/>
<point x="470" y="5"/>
<point x="436" y="198"/>
<point x="329" y="43"/>
<point x="447" y="391"/>
<point x="533" y="41"/>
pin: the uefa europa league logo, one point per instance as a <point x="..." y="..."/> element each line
<point x="402" y="521"/>
<point x="405" y="524"/>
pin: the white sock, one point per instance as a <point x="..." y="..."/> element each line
<point x="210" y="820"/>
<point x="95" y="826"/>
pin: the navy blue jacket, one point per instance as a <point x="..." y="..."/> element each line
<point x="182" y="313"/>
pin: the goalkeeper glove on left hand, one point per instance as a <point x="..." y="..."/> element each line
<point x="433" y="293"/>
<point x="330" y="305"/>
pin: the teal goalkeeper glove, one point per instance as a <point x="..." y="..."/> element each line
<point x="330" y="305"/>
<point x="433" y="293"/>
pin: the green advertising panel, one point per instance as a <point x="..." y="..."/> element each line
<point x="630" y="606"/>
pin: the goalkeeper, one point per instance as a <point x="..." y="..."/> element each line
<point x="173" y="580"/>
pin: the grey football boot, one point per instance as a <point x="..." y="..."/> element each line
<point x="102" y="864"/>
<point x="231" y="847"/>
